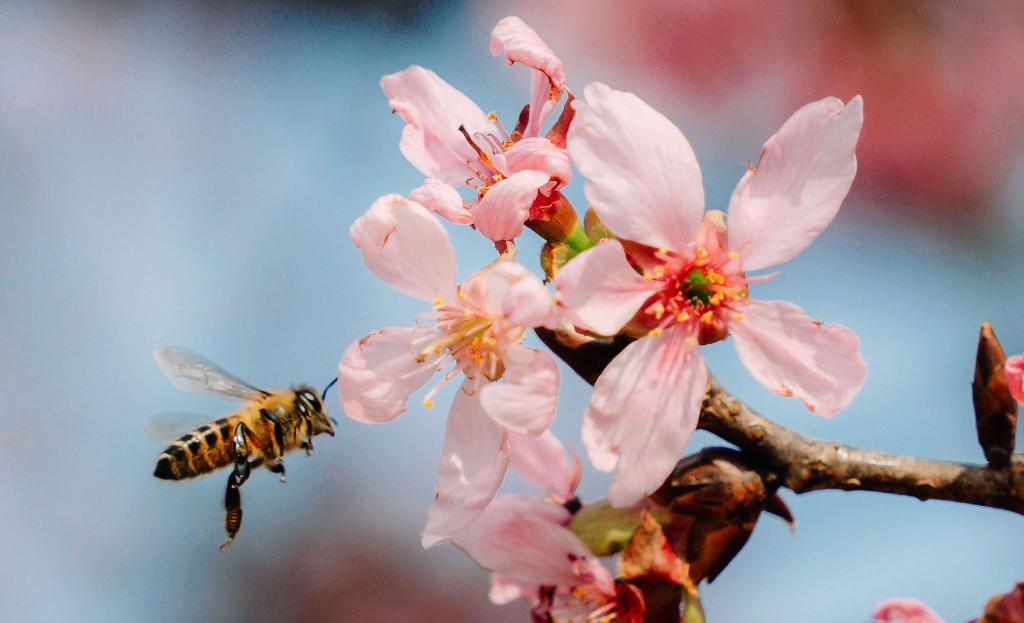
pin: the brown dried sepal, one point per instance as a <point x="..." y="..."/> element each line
<point x="649" y="556"/>
<point x="717" y="497"/>
<point x="650" y="563"/>
<point x="995" y="410"/>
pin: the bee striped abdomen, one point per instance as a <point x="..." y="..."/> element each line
<point x="203" y="450"/>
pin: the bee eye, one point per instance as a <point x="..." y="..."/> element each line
<point x="311" y="398"/>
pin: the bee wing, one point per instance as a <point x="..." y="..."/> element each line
<point x="171" y="425"/>
<point x="192" y="373"/>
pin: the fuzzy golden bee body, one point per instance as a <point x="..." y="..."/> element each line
<point x="210" y="447"/>
<point x="264" y="428"/>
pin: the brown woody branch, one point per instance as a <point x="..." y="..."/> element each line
<point x="802" y="464"/>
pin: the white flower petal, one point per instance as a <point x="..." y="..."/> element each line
<point x="792" y="355"/>
<point x="474" y="460"/>
<point x="527" y="395"/>
<point x="644" y="181"/>
<point x="599" y="291"/>
<point x="644" y="409"/>
<point x="805" y="172"/>
<point x="377" y="374"/>
<point x="406" y="247"/>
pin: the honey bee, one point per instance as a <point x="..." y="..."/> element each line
<point x="268" y="425"/>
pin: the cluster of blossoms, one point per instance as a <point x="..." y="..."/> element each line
<point x="651" y="264"/>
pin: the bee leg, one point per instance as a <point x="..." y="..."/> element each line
<point x="307" y="445"/>
<point x="236" y="478"/>
<point x="241" y="452"/>
<point x="278" y="432"/>
<point x="277" y="468"/>
<point x="232" y="508"/>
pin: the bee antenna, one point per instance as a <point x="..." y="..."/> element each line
<point x="329" y="385"/>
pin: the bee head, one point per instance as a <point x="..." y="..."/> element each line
<point x="309" y="405"/>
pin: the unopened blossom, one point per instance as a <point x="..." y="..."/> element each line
<point x="472" y="333"/>
<point x="904" y="610"/>
<point x="675" y="276"/>
<point x="456" y="145"/>
<point x="1014" y="369"/>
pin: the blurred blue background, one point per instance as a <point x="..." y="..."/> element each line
<point x="177" y="175"/>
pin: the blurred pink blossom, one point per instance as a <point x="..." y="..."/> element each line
<point x="945" y="79"/>
<point x="903" y="610"/>
<point x="1014" y="369"/>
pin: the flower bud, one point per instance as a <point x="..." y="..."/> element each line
<point x="995" y="410"/>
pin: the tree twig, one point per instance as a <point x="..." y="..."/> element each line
<point x="802" y="464"/>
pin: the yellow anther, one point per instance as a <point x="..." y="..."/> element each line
<point x="659" y="271"/>
<point x="689" y="341"/>
<point x="682" y="316"/>
<point x="702" y="252"/>
<point x="734" y="255"/>
<point x="706" y="317"/>
<point x="739" y="317"/>
<point x="657" y="310"/>
<point x="438" y="301"/>
<point x="655" y="332"/>
<point x="428" y="403"/>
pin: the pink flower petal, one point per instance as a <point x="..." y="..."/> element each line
<point x="805" y="172"/>
<point x="407" y="248"/>
<point x="513" y="293"/>
<point x="527" y="395"/>
<point x="501" y="213"/>
<point x="792" y="355"/>
<point x="643" y="410"/>
<point x="525" y="539"/>
<point x="903" y="610"/>
<point x="377" y="374"/>
<point x="442" y="199"/>
<point x="474" y="459"/>
<point x="541" y="460"/>
<point x="599" y="291"/>
<point x="505" y="590"/>
<point x="521" y="44"/>
<point x="433" y="111"/>
<point x="1014" y="369"/>
<point x="644" y="181"/>
<point x="540" y="154"/>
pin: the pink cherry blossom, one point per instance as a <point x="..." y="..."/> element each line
<point x="904" y="610"/>
<point x="473" y="331"/>
<point x="676" y="275"/>
<point x="1014" y="369"/>
<point x="455" y="144"/>
<point x="526" y="539"/>
<point x="527" y="545"/>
